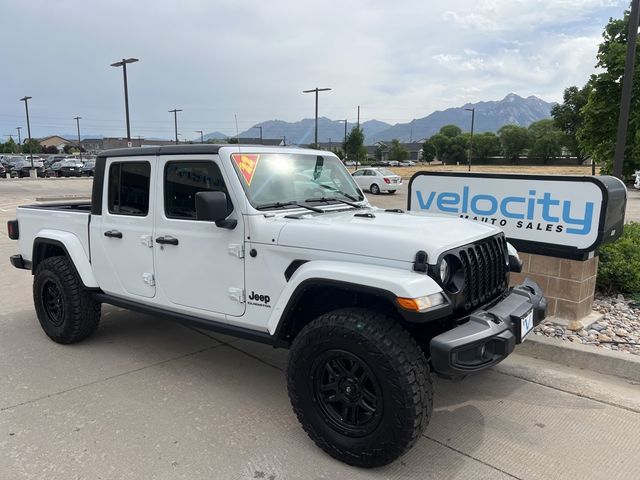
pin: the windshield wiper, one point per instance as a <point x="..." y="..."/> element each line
<point x="333" y="189"/>
<point x="264" y="206"/>
<point x="333" y="199"/>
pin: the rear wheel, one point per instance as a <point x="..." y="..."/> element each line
<point x="392" y="192"/>
<point x="360" y="386"/>
<point x="375" y="189"/>
<point x="66" y="311"/>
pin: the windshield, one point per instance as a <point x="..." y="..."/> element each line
<point x="273" y="179"/>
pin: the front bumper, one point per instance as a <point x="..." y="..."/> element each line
<point x="490" y="335"/>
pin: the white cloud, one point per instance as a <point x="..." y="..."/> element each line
<point x="253" y="59"/>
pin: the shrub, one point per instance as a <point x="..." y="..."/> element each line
<point x="619" y="270"/>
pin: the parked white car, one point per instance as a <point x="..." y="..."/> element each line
<point x="637" y="182"/>
<point x="377" y="180"/>
<point x="407" y="163"/>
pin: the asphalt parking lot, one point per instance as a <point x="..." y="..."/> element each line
<point x="148" y="398"/>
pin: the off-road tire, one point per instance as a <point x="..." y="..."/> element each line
<point x="398" y="365"/>
<point x="79" y="314"/>
<point x="375" y="189"/>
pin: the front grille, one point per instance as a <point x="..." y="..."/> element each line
<point x="485" y="270"/>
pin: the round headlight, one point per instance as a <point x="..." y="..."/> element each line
<point x="444" y="271"/>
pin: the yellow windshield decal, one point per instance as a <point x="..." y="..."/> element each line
<point x="247" y="164"/>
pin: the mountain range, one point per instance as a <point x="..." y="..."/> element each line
<point x="489" y="117"/>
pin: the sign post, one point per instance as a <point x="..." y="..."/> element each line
<point x="555" y="222"/>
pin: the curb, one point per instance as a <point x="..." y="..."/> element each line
<point x="608" y="362"/>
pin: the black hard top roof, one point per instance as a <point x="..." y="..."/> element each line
<point x="164" y="150"/>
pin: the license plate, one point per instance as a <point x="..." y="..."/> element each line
<point x="526" y="325"/>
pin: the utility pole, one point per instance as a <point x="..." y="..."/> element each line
<point x="201" y="135"/>
<point x="77" y="119"/>
<point x="139" y="141"/>
<point x="473" y="115"/>
<point x="316" y="90"/>
<point x="26" y="99"/>
<point x="175" y="121"/>
<point x="627" y="86"/>
<point x="19" y="140"/>
<point x="260" y="134"/>
<point x="284" y="140"/>
<point x="123" y="64"/>
<point x="358" y="116"/>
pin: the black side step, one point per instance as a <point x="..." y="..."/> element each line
<point x="189" y="320"/>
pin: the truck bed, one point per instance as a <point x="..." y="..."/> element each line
<point x="64" y="219"/>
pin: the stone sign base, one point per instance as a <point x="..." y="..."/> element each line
<point x="568" y="285"/>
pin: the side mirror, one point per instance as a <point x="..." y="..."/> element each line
<point x="214" y="207"/>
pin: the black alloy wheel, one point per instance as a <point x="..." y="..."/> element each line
<point x="53" y="302"/>
<point x="347" y="392"/>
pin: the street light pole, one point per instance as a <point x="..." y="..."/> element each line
<point x="627" y="87"/>
<point x="175" y="121"/>
<point x="316" y="90"/>
<point x="26" y="99"/>
<point x="77" y="119"/>
<point x="123" y="64"/>
<point x="473" y="115"/>
<point x="201" y="135"/>
<point x="19" y="141"/>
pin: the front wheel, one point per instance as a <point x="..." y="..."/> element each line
<point x="375" y="189"/>
<point x="360" y="386"/>
<point x="66" y="311"/>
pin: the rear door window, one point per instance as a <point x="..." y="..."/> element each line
<point x="129" y="188"/>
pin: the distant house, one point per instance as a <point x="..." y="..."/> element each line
<point x="414" y="149"/>
<point x="55" y="141"/>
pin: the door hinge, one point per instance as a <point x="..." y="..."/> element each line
<point x="237" y="294"/>
<point x="236" y="249"/>
<point x="149" y="279"/>
<point x="147" y="240"/>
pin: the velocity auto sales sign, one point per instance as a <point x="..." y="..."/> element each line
<point x="538" y="213"/>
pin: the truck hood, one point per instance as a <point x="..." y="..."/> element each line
<point x="389" y="235"/>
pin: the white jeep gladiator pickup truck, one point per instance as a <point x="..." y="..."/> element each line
<point x="279" y="245"/>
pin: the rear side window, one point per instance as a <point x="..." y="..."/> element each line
<point x="183" y="179"/>
<point x="129" y="188"/>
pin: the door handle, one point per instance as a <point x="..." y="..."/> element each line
<point x="167" y="240"/>
<point x="113" y="234"/>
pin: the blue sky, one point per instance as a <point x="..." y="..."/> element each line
<point x="252" y="59"/>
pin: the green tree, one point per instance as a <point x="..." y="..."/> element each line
<point x="428" y="151"/>
<point x="339" y="153"/>
<point x="354" y="148"/>
<point x="485" y="145"/>
<point x="567" y="117"/>
<point x="597" y="134"/>
<point x="441" y="143"/>
<point x="451" y="131"/>
<point x="397" y="151"/>
<point x="379" y="152"/>
<point x="457" y="149"/>
<point x="514" y="140"/>
<point x="9" y="146"/>
<point x="31" y="147"/>
<point x="232" y="140"/>
<point x="546" y="140"/>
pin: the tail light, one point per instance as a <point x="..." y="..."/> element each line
<point x="386" y="180"/>
<point x="12" y="229"/>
